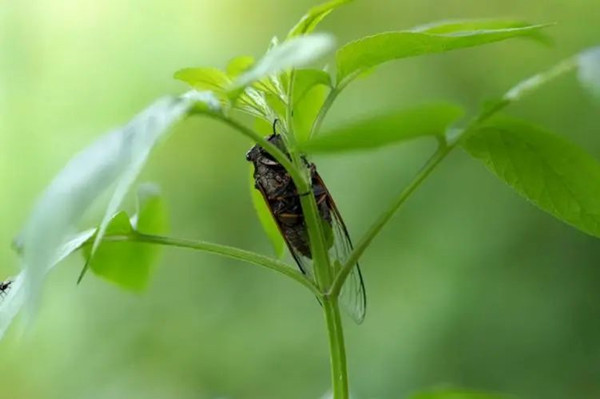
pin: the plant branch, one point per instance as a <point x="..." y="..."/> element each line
<point x="517" y="92"/>
<point x="223" y="250"/>
<point x="331" y="97"/>
<point x="256" y="137"/>
<point x="321" y="264"/>
<point x="333" y="93"/>
<point x="385" y="217"/>
<point x="312" y="217"/>
<point x="337" y="348"/>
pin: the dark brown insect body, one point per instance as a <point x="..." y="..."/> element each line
<point x="282" y="198"/>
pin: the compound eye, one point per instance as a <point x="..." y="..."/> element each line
<point x="249" y="155"/>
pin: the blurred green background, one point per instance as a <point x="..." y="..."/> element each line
<point x="468" y="286"/>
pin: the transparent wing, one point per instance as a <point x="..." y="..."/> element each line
<point x="353" y="296"/>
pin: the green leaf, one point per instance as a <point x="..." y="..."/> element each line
<point x="204" y="79"/>
<point x="306" y="79"/>
<point x="151" y="216"/>
<point x="469" y="25"/>
<point x="553" y="173"/>
<point x="239" y="65"/>
<point x="357" y="56"/>
<point x="129" y="264"/>
<point x="306" y="111"/>
<point x="315" y="15"/>
<point x="311" y="87"/>
<point x="457" y="394"/>
<point x="266" y="218"/>
<point x="294" y="53"/>
<point x="387" y="129"/>
<point x="589" y="70"/>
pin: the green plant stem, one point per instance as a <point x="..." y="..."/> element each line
<point x="331" y="97"/>
<point x="376" y="227"/>
<point x="223" y="250"/>
<point x="256" y="137"/>
<point x="321" y="265"/>
<point x="298" y="172"/>
<point x="337" y="348"/>
<point x="333" y="93"/>
<point x="312" y="217"/>
<point x="516" y="93"/>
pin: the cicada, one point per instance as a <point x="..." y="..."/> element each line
<point x="283" y="200"/>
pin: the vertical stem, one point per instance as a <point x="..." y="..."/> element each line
<point x="320" y="257"/>
<point x="333" y="93"/>
<point x="337" y="348"/>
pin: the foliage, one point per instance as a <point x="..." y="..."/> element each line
<point x="284" y="85"/>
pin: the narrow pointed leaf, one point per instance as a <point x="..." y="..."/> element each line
<point x="551" y="172"/>
<point x="266" y="218"/>
<point x="386" y="129"/>
<point x="204" y="78"/>
<point x="469" y="25"/>
<point x="314" y="16"/>
<point x="360" y="55"/>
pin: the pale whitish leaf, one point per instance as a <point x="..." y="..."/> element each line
<point x="114" y="160"/>
<point x="589" y="70"/>
<point x="314" y="16"/>
<point x="294" y="53"/>
<point x="12" y="303"/>
<point x="551" y="172"/>
<point x="368" y="52"/>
